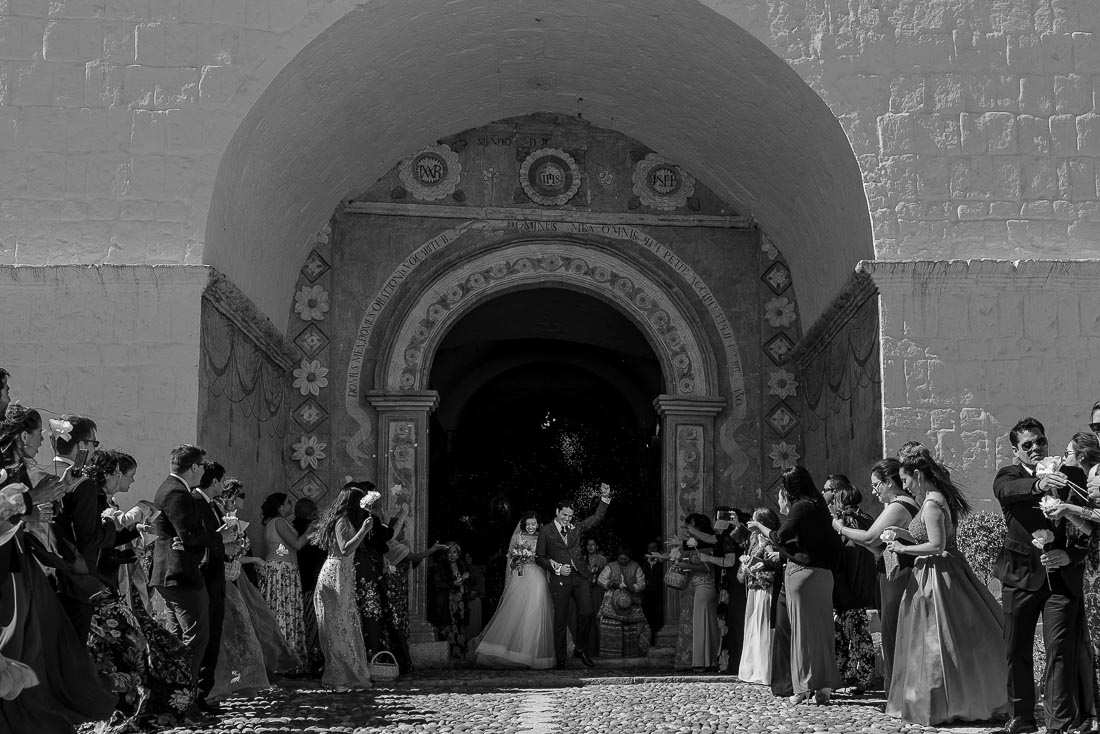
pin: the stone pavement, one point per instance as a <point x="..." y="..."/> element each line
<point x="554" y="702"/>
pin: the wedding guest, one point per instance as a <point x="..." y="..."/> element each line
<point x="812" y="550"/>
<point x="855" y="650"/>
<point x="375" y="614"/>
<point x="1047" y="582"/>
<point x="730" y="540"/>
<point x="147" y="668"/>
<point x="310" y="560"/>
<point x="596" y="562"/>
<point x="624" y="631"/>
<point x="241" y="667"/>
<point x="400" y="560"/>
<point x="78" y="527"/>
<point x="34" y="629"/>
<point x="653" y="598"/>
<point x="946" y="613"/>
<point x="1083" y="452"/>
<point x="347" y="665"/>
<point x="446" y="603"/>
<point x="183" y="540"/>
<point x="208" y="490"/>
<point x="280" y="582"/>
<point x="699" y="640"/>
<point x="757" y="572"/>
<point x="475" y="592"/>
<point x="898" y="510"/>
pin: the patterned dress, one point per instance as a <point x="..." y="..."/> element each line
<point x="341" y="637"/>
<point x="281" y="585"/>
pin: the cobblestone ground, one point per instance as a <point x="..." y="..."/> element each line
<point x="565" y="703"/>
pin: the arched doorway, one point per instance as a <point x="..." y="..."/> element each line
<point x="543" y="394"/>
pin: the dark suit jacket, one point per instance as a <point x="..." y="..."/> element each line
<point x="80" y="524"/>
<point x="213" y="563"/>
<point x="1018" y="565"/>
<point x="180" y="519"/>
<point x="551" y="547"/>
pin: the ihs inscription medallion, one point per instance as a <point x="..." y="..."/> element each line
<point x="662" y="184"/>
<point x="549" y="176"/>
<point x="432" y="173"/>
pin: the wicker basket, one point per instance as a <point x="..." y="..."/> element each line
<point x="675" y="578"/>
<point x="380" y="670"/>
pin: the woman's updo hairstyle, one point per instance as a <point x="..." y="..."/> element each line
<point x="100" y="465"/>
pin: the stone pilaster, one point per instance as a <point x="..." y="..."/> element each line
<point x="403" y="459"/>
<point x="687" y="474"/>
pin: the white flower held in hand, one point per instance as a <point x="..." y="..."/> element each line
<point x="370" y="498"/>
<point x="1041" y="538"/>
<point x="1047" y="504"/>
<point x="1049" y="465"/>
<point x="888" y="535"/>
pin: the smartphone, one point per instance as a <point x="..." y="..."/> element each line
<point x="80" y="460"/>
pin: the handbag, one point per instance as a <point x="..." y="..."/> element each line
<point x="675" y="578"/>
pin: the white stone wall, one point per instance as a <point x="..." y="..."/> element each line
<point x="118" y="344"/>
<point x="974" y="123"/>
<point x="969" y="348"/>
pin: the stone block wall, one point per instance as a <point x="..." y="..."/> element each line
<point x="970" y="347"/>
<point x="118" y="344"/>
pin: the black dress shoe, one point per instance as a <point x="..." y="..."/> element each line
<point x="586" y="660"/>
<point x="1018" y="725"/>
<point x="207" y="707"/>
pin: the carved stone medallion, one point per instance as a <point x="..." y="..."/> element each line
<point x="549" y="176"/>
<point x="431" y="174"/>
<point x="662" y="184"/>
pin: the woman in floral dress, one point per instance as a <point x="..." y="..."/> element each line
<point x="447" y="604"/>
<point x="137" y="659"/>
<point x="280" y="581"/>
<point x="371" y="593"/>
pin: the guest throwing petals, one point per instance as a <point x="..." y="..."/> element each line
<point x="947" y="659"/>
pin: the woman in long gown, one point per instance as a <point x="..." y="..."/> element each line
<point x="521" y="632"/>
<point x="34" y="629"/>
<point x="757" y="573"/>
<point x="371" y="592"/>
<point x="700" y="637"/>
<point x="347" y="666"/>
<point x="281" y="584"/>
<point x="949" y="654"/>
<point x="399" y="561"/>
<point x="241" y="668"/>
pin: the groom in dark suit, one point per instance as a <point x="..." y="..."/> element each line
<point x="559" y="551"/>
<point x="1036" y="582"/>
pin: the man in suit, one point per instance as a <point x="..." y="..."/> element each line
<point x="183" y="540"/>
<point x="1047" y="582"/>
<point x="559" y="551"/>
<point x="212" y="566"/>
<point x="78" y="524"/>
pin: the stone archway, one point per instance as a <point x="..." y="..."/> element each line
<point x="688" y="408"/>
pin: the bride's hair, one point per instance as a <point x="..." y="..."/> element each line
<point x="529" y="515"/>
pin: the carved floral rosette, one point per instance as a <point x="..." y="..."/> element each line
<point x="661" y="184"/>
<point x="431" y="174"/>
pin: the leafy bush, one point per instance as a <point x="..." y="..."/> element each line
<point x="980" y="537"/>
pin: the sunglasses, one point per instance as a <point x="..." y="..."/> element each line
<point x="1094" y="427"/>
<point x="1028" y="445"/>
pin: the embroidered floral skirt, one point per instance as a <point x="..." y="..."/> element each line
<point x="281" y="586"/>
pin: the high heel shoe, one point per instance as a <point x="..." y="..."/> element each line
<point x="822" y="696"/>
<point x="800" y="698"/>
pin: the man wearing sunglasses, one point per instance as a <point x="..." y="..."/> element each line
<point x="1036" y="582"/>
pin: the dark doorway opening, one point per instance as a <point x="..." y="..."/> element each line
<point x="544" y="393"/>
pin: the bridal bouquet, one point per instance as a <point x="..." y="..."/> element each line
<point x="520" y="554"/>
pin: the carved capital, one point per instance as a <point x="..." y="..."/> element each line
<point x="386" y="401"/>
<point x="681" y="405"/>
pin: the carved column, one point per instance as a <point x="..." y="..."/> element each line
<point x="403" y="459"/>
<point x="687" y="474"/>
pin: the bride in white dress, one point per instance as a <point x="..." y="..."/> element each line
<point x="521" y="633"/>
